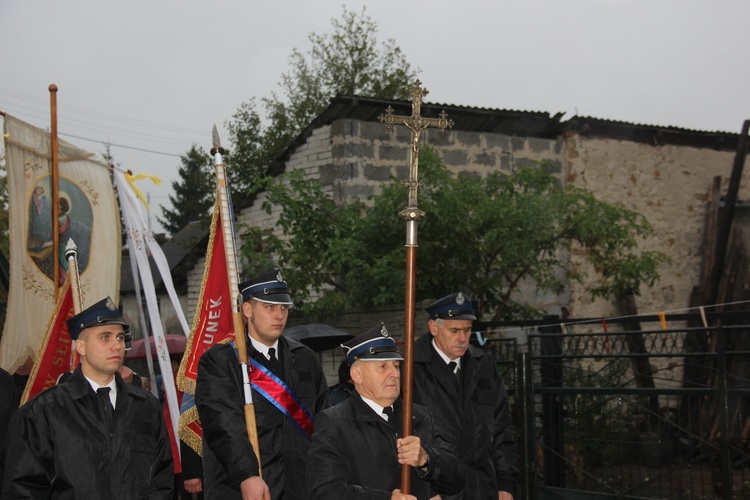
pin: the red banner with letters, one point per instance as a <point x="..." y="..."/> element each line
<point x="54" y="357"/>
<point x="212" y="323"/>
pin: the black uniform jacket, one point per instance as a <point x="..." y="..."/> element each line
<point x="8" y="406"/>
<point x="475" y="419"/>
<point x="228" y="456"/>
<point x="61" y="448"/>
<point x="353" y="455"/>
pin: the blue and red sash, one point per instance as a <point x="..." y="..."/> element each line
<point x="276" y="392"/>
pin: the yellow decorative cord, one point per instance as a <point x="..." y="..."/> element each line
<point x="131" y="180"/>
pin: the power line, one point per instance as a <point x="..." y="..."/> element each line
<point x="87" y="125"/>
<point x="122" y="146"/>
<point x="128" y="120"/>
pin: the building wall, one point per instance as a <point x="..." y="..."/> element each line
<point x="669" y="186"/>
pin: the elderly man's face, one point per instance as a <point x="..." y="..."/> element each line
<point x="451" y="335"/>
<point x="379" y="381"/>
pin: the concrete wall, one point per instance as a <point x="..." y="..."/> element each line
<point x="669" y="186"/>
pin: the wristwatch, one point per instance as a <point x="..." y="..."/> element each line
<point x="426" y="459"/>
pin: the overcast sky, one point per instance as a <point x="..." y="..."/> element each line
<point x="153" y="77"/>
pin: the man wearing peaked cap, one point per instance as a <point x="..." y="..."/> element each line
<point x="269" y="288"/>
<point x="356" y="451"/>
<point x="460" y="383"/>
<point x="288" y="390"/>
<point x="93" y="435"/>
<point x="102" y="313"/>
<point x="375" y="344"/>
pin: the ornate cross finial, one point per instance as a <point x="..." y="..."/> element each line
<point x="416" y="124"/>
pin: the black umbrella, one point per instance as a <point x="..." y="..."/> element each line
<point x="318" y="336"/>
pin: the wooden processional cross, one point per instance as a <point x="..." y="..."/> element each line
<point x="411" y="214"/>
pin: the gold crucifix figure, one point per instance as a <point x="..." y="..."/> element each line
<point x="416" y="124"/>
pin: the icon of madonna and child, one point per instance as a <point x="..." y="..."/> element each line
<point x="75" y="220"/>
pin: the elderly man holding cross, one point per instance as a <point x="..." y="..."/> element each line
<point x="357" y="450"/>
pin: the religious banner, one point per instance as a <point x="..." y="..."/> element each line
<point x="212" y="324"/>
<point x="88" y="214"/>
<point x="53" y="358"/>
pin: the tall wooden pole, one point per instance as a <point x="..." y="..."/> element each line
<point x="227" y="230"/>
<point x="55" y="186"/>
<point x="411" y="214"/>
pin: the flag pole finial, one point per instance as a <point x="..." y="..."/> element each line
<point x="216" y="142"/>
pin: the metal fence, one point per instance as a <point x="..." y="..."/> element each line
<point x="636" y="414"/>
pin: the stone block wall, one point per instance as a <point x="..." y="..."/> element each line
<point x="365" y="156"/>
<point x="666" y="184"/>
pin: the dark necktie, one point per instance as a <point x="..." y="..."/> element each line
<point x="273" y="362"/>
<point x="388" y="411"/>
<point x="456" y="371"/>
<point x="106" y="405"/>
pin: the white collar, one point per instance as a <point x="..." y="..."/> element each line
<point x="263" y="348"/>
<point x="375" y="407"/>
<point x="112" y="389"/>
<point x="443" y="355"/>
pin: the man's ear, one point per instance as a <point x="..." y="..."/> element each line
<point x="355" y="373"/>
<point x="247" y="310"/>
<point x="81" y="347"/>
<point x="432" y="325"/>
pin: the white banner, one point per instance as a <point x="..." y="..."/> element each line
<point x="141" y="243"/>
<point x="88" y="215"/>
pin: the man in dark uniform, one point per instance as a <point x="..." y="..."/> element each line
<point x="289" y="389"/>
<point x="9" y="397"/>
<point x="345" y="388"/>
<point x="356" y="452"/>
<point x="464" y="390"/>
<point x="92" y="436"/>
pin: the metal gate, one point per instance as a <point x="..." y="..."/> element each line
<point x="591" y="423"/>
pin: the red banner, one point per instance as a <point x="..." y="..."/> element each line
<point x="53" y="358"/>
<point x="213" y="323"/>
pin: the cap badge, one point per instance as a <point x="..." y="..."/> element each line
<point x="460" y="299"/>
<point x="110" y="304"/>
<point x="383" y="330"/>
<point x="279" y="277"/>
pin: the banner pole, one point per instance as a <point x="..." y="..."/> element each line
<point x="55" y="189"/>
<point x="227" y="229"/>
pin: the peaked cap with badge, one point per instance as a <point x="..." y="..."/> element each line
<point x="270" y="288"/>
<point x="102" y="313"/>
<point x="453" y="306"/>
<point x="373" y="345"/>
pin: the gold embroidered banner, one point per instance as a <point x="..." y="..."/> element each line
<point x="88" y="215"/>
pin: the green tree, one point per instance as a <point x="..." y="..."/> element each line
<point x="193" y="193"/>
<point x="349" y="61"/>
<point x="486" y="235"/>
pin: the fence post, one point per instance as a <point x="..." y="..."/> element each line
<point x="553" y="425"/>
<point x="725" y="459"/>
<point x="527" y="445"/>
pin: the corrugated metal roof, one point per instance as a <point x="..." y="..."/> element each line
<point x="513" y="123"/>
